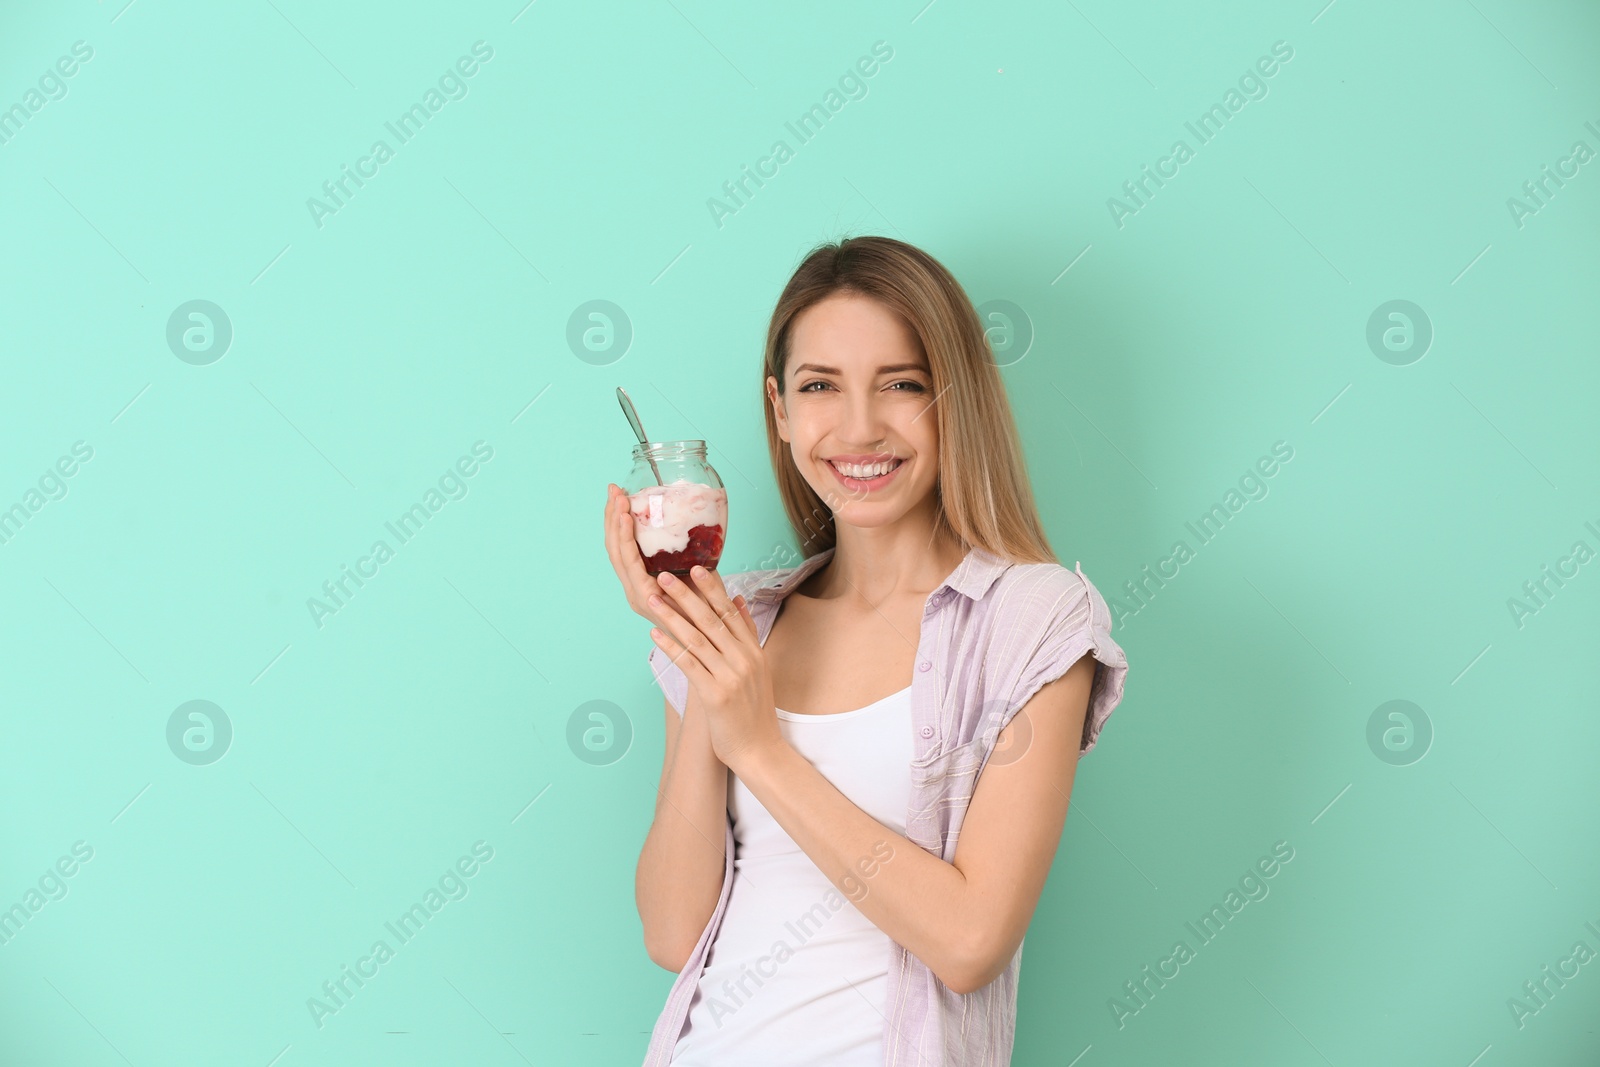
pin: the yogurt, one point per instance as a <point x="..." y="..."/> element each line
<point x="679" y="525"/>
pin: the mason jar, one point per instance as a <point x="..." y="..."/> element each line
<point x="682" y="520"/>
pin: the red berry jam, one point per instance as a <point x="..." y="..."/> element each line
<point x="704" y="549"/>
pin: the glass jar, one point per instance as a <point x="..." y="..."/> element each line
<point x="682" y="520"/>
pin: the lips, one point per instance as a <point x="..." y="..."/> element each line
<point x="865" y="484"/>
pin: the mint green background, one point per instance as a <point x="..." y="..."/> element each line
<point x="1228" y="314"/>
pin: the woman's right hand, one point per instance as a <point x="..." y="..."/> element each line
<point x="639" y="584"/>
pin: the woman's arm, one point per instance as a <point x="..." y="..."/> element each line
<point x="678" y="879"/>
<point x="963" y="919"/>
<point x="679" y="876"/>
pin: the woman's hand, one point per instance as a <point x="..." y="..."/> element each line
<point x="713" y="641"/>
<point x="623" y="549"/>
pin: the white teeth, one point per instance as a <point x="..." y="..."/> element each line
<point x="866" y="471"/>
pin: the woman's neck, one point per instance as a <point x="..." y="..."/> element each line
<point x="879" y="563"/>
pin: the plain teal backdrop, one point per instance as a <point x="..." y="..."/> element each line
<point x="1157" y="344"/>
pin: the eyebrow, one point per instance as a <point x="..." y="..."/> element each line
<point x="887" y="369"/>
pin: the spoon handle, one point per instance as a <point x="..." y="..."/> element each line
<point x="633" y="416"/>
<point x="638" y="430"/>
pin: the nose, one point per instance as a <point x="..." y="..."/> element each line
<point x="865" y="423"/>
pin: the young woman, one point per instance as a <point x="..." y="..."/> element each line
<point x="868" y="755"/>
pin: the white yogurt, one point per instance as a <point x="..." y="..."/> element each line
<point x="663" y="515"/>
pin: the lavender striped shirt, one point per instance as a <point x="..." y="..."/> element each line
<point x="993" y="634"/>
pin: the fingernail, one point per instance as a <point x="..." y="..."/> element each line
<point x="667" y="578"/>
<point x="655" y="601"/>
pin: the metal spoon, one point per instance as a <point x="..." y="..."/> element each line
<point x="638" y="430"/>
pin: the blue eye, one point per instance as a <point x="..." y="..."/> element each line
<point x="915" y="387"/>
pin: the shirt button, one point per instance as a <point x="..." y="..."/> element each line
<point x="924" y="665"/>
<point x="927" y="731"/>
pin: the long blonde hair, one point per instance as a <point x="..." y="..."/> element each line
<point x="982" y="489"/>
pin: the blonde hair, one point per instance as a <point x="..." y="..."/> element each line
<point x="982" y="489"/>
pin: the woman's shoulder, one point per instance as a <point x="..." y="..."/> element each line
<point x="1047" y="617"/>
<point x="1041" y="598"/>
<point x="1040" y="590"/>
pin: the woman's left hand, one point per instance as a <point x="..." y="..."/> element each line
<point x="714" y="642"/>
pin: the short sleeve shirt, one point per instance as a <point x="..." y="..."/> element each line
<point x="993" y="634"/>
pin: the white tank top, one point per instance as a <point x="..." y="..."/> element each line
<point x="797" y="975"/>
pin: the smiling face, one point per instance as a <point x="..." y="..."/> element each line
<point x="855" y="410"/>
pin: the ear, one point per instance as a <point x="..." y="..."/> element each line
<point x="778" y="414"/>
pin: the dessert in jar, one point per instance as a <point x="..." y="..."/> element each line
<point x="682" y="520"/>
